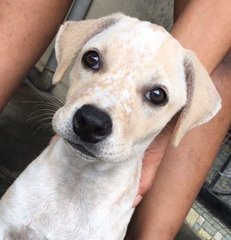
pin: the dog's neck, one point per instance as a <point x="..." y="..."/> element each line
<point x="75" y="172"/>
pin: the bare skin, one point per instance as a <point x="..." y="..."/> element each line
<point x="26" y="29"/>
<point x="204" y="27"/>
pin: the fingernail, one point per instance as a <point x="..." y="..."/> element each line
<point x="137" y="200"/>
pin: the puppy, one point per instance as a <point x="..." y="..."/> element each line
<point x="127" y="79"/>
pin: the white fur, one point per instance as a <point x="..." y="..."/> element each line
<point x="53" y="202"/>
<point x="64" y="194"/>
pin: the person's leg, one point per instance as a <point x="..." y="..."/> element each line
<point x="183" y="170"/>
<point x="26" y="29"/>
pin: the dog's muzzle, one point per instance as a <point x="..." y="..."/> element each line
<point x="91" y="125"/>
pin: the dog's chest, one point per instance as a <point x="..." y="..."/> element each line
<point x="90" y="217"/>
<point x="94" y="208"/>
<point x="84" y="223"/>
<point x="60" y="203"/>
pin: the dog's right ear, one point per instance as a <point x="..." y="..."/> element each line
<point x="73" y="35"/>
<point x="203" y="100"/>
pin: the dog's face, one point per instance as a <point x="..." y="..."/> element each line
<point x="126" y="82"/>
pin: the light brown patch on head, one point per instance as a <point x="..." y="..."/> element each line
<point x="72" y="36"/>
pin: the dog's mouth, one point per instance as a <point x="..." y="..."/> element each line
<point x="81" y="149"/>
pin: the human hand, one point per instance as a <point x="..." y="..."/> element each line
<point x="152" y="160"/>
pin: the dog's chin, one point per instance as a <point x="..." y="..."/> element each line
<point x="81" y="150"/>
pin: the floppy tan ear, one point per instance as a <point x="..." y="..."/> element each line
<point x="73" y="35"/>
<point x="203" y="100"/>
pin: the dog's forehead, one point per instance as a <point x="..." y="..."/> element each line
<point x="131" y="34"/>
<point x="136" y="45"/>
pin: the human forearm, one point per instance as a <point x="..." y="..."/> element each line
<point x="205" y="27"/>
<point x="26" y="28"/>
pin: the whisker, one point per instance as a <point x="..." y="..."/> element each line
<point x="44" y="108"/>
<point x="43" y="111"/>
<point x="42" y="100"/>
<point x="47" y="126"/>
<point x="42" y="103"/>
<point x="40" y="127"/>
<point x="41" y="115"/>
<point x="44" y="95"/>
<point x="42" y="120"/>
<point x="55" y="106"/>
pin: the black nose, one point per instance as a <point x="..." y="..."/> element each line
<point x="91" y="124"/>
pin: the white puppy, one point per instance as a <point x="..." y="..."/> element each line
<point x="127" y="79"/>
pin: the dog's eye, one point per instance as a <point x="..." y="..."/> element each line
<point x="157" y="96"/>
<point x="91" y="60"/>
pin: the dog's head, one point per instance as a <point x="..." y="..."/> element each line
<point x="127" y="79"/>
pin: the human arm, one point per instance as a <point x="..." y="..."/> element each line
<point x="26" y="29"/>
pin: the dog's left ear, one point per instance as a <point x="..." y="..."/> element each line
<point x="73" y="35"/>
<point x="203" y="100"/>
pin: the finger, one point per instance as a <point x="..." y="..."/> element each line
<point x="149" y="168"/>
<point x="137" y="200"/>
<point x="147" y="175"/>
<point x="151" y="161"/>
